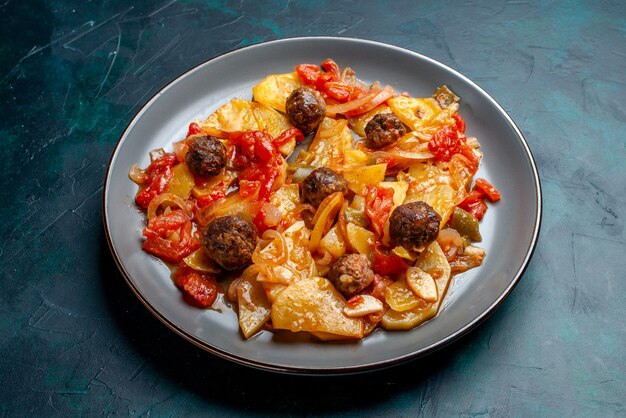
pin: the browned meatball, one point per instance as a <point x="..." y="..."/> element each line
<point x="383" y="129"/>
<point x="414" y="224"/>
<point x="305" y="109"/>
<point x="230" y="241"/>
<point x="206" y="156"/>
<point x="351" y="274"/>
<point x="321" y="183"/>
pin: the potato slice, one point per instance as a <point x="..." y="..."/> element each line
<point x="422" y="284"/>
<point x="361" y="239"/>
<point x="181" y="182"/>
<point x="245" y="115"/>
<point x="329" y="146"/>
<point x="416" y="113"/>
<point x="432" y="261"/>
<point x="272" y="290"/>
<point x="400" y="297"/>
<point x="286" y="199"/>
<point x="271" y="121"/>
<point x="274" y="89"/>
<point x="254" y="308"/>
<point x="314" y="305"/>
<point x="199" y="260"/>
<point x="334" y="243"/>
<point x="360" y="177"/>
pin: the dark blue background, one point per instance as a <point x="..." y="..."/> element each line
<point x="74" y="340"/>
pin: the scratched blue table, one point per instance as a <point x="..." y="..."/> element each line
<point x="75" y="341"/>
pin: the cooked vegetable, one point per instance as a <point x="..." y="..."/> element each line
<point x="378" y="208"/>
<point x="466" y="224"/>
<point x="313" y="304"/>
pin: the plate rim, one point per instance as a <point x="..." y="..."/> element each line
<point x="334" y="370"/>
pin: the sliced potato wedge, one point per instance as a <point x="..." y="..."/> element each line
<point x="254" y="308"/>
<point x="432" y="261"/>
<point x="274" y="89"/>
<point x="314" y="305"/>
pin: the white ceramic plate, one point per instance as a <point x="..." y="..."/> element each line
<point x="509" y="230"/>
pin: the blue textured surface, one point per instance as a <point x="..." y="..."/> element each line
<point x="74" y="340"/>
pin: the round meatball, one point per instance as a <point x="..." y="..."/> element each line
<point x="305" y="109"/>
<point x="230" y="241"/>
<point x="321" y="183"/>
<point x="414" y="224"/>
<point x="383" y="129"/>
<point x="206" y="156"/>
<point x="351" y="274"/>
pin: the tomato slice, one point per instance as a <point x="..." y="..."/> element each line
<point x="387" y="263"/>
<point x="460" y="123"/>
<point x="330" y="66"/>
<point x="492" y="193"/>
<point x="204" y="201"/>
<point x="199" y="288"/>
<point x="476" y="208"/>
<point x="309" y="73"/>
<point x="378" y="204"/>
<point x="169" y="236"/>
<point x="445" y="143"/>
<point x="286" y="136"/>
<point x="248" y="187"/>
<point x="338" y="91"/>
<point x="194" y="129"/>
<point x="159" y="173"/>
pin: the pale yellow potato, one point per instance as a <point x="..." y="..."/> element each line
<point x="254" y="308"/>
<point x="400" y="297"/>
<point x="433" y="261"/>
<point x="274" y="89"/>
<point x="329" y="146"/>
<point x="245" y="115"/>
<point x="199" y="260"/>
<point x="271" y="121"/>
<point x="286" y="199"/>
<point x="361" y="239"/>
<point x="314" y="305"/>
<point x="333" y="242"/>
<point x="416" y="113"/>
<point x="182" y="181"/>
<point x="360" y="177"/>
<point x="272" y="290"/>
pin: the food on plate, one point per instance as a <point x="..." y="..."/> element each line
<point x="323" y="205"/>
<point x="383" y="129"/>
<point x="351" y="274"/>
<point x="206" y="156"/>
<point x="305" y="109"/>
<point x="321" y="183"/>
<point x="414" y="225"/>
<point x="230" y="241"/>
